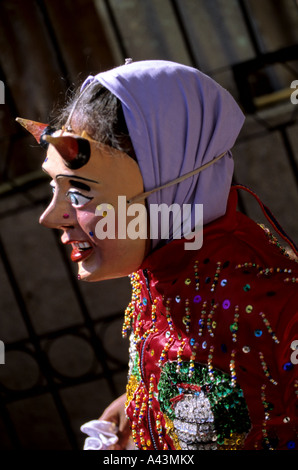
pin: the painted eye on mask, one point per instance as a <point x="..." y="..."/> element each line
<point x="77" y="199"/>
<point x="52" y="185"/>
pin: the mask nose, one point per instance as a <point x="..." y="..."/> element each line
<point x="58" y="216"/>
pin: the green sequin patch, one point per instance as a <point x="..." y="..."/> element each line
<point x="226" y="402"/>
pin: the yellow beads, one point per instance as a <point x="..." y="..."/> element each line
<point x="234" y="442"/>
<point x="165" y="352"/>
<point x="135" y="301"/>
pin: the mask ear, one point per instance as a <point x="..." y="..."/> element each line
<point x="37" y="129"/>
<point x="75" y="151"/>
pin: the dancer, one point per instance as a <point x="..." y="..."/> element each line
<point x="213" y="324"/>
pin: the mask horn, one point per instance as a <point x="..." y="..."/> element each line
<point x="75" y="151"/>
<point x="37" y="129"/>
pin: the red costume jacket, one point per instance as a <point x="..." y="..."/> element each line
<point x="213" y="361"/>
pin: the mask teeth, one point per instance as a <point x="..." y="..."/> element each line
<point x="35" y="128"/>
<point x="75" y="151"/>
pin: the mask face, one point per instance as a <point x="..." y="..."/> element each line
<point x="85" y="206"/>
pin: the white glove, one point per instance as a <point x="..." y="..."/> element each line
<point x="102" y="434"/>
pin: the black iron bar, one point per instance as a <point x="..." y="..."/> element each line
<point x="40" y="354"/>
<point x="95" y="341"/>
<point x="248" y="20"/>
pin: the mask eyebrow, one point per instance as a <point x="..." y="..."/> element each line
<point x="76" y="177"/>
<point x="79" y="185"/>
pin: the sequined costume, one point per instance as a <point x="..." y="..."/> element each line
<point x="213" y="359"/>
<point x="213" y="334"/>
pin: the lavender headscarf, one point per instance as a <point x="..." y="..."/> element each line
<point x="178" y="119"/>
